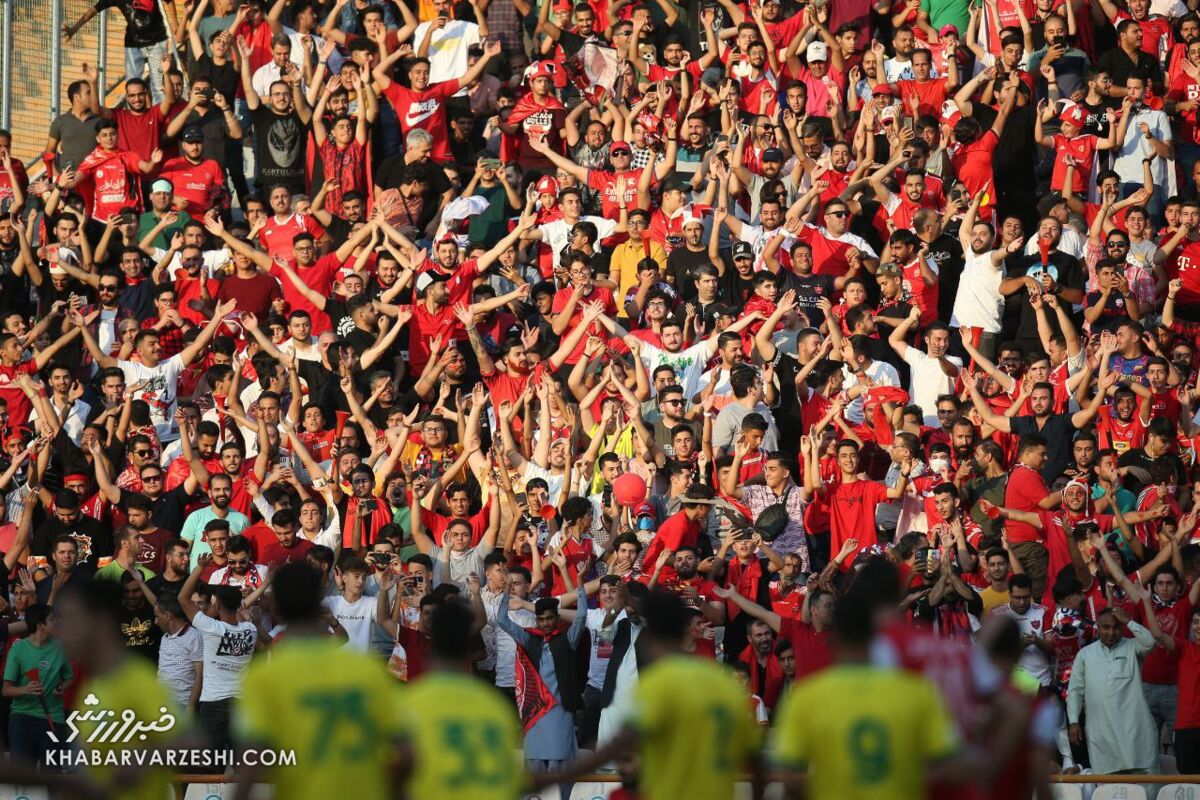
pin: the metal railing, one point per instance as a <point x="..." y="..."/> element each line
<point x="36" y="65"/>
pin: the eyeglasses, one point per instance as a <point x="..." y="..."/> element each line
<point x="637" y="223"/>
<point x="674" y="401"/>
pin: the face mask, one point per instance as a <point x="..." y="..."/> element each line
<point x="936" y="465"/>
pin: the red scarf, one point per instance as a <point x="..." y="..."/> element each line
<point x="534" y="698"/>
<point x="371" y="525"/>
<point x="525" y="108"/>
<point x="771" y="685"/>
<point x="93" y="161"/>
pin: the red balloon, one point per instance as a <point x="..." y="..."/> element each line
<point x="548" y="512"/>
<point x="629" y="489"/>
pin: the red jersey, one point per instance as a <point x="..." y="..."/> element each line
<point x="852" y="515"/>
<point x="114" y="178"/>
<point x="426" y="111"/>
<point x="1184" y="263"/>
<point x="6" y="183"/>
<point x="1156" y="33"/>
<point x="930" y="95"/>
<point x="1184" y="89"/>
<point x="1188" y="714"/>
<point x="597" y="294"/>
<point x="921" y="294"/>
<point x="318" y="277"/>
<point x="828" y="253"/>
<point x="810" y="647"/>
<point x="1117" y="435"/>
<point x="606" y="184"/>
<point x="1082" y="149"/>
<point x="277" y="235"/>
<point x="1162" y="666"/>
<point x="19" y="407"/>
<point x="1024" y="491"/>
<point x="187" y="289"/>
<point x="973" y="164"/>
<point x="195" y="183"/>
<point x="139" y="133"/>
<point x="675" y="531"/>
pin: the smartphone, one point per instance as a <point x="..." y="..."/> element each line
<point x="491" y="163"/>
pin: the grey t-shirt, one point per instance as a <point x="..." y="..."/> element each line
<point x="210" y="25"/>
<point x="78" y="138"/>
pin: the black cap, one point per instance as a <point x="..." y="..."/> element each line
<point x="742" y="250"/>
<point x="677" y="184"/>
<point x="773" y="154"/>
<point x="192" y="133"/>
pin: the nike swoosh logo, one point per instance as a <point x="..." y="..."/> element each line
<point x="410" y="120"/>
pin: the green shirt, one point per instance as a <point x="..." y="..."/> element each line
<point x="492" y="225"/>
<point x="53" y="672"/>
<point x="113" y="571"/>
<point x="163" y="240"/>
<point x="948" y="12"/>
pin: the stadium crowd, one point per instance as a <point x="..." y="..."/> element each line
<point x="850" y="346"/>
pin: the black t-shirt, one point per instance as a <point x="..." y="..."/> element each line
<point x="279" y="141"/>
<point x="1139" y="458"/>
<point x="736" y="290"/>
<point x="1015" y="151"/>
<point x="809" y="289"/>
<point x="223" y="77"/>
<point x="1069" y="275"/>
<point x="1058" y="431"/>
<point x="787" y="413"/>
<point x="141" y="634"/>
<point x="143" y="21"/>
<point x="165" y="588"/>
<point x="14" y="289"/>
<point x="681" y="269"/>
<point x="94" y="541"/>
<point x="1120" y="67"/>
<point x="946" y="251"/>
<point x="169" y="510"/>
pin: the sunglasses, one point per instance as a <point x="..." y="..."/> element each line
<point x="836" y="213"/>
<point x="621" y="153"/>
<point x="142" y="453"/>
<point x="155" y="477"/>
<point x="108" y="287"/>
<point x="1118" y="243"/>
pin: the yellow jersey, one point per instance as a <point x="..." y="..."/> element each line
<point x="334" y="707"/>
<point x="863" y="733"/>
<point x="465" y="738"/>
<point x="132" y="686"/>
<point x="696" y="730"/>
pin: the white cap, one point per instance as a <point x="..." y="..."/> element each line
<point x="817" y="51"/>
<point x="888" y="112"/>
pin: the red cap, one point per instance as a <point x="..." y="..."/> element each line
<point x="884" y="90"/>
<point x="1074" y="114"/>
<point x="948" y="30"/>
<point x="542" y="69"/>
<point x="617" y="144"/>
<point x="547" y="185"/>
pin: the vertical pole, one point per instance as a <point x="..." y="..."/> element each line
<point x="56" y="23"/>
<point x="102" y="58"/>
<point x="6" y="64"/>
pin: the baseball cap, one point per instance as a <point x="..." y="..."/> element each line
<point x="619" y="145"/>
<point x="884" y="90"/>
<point x="890" y="270"/>
<point x="547" y="184"/>
<point x="645" y="510"/>
<point x="888" y="113"/>
<point x="192" y="133"/>
<point x="426" y="279"/>
<point x="773" y="154"/>
<point x="949" y="30"/>
<point x="717" y="310"/>
<point x="677" y="184"/>
<point x="691" y="219"/>
<point x="161" y="185"/>
<point x="817" y="51"/>
<point x="742" y="250"/>
<point x="542" y="69"/>
<point x="950" y="115"/>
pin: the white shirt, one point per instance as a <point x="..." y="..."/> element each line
<point x="159" y="392"/>
<point x="235" y="580"/>
<point x="1129" y="155"/>
<point x="978" y="303"/>
<point x="927" y="381"/>
<point x="75" y="420"/>
<point x="602" y="639"/>
<point x="267" y="74"/>
<point x="227" y="653"/>
<point x="177" y="658"/>
<point x="355" y="617"/>
<point x="688" y="364"/>
<point x="448" y="48"/>
<point x="557" y="233"/>
<point x="503" y="649"/>
<point x="1070" y="242"/>
<point x="881" y="373"/>
<point x="1033" y="661"/>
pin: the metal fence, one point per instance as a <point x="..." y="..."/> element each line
<point x="36" y="66"/>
